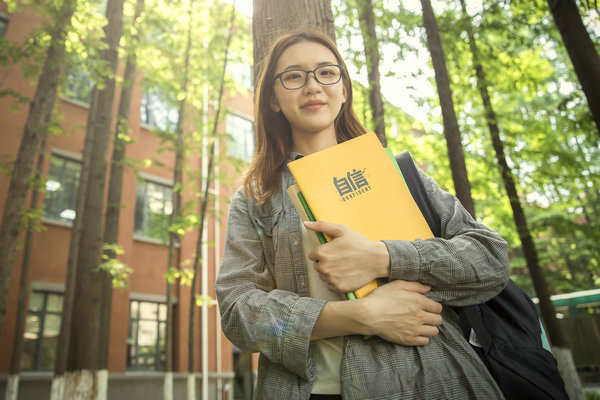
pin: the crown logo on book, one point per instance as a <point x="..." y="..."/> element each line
<point x="352" y="185"/>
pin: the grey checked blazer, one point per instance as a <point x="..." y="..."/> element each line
<point x="262" y="290"/>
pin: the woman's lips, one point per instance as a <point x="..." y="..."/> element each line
<point x="313" y="105"/>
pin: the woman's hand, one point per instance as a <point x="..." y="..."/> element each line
<point x="350" y="260"/>
<point x="397" y="312"/>
<point x="400" y="313"/>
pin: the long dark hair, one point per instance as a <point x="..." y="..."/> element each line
<point x="273" y="131"/>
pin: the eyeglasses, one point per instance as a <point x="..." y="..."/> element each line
<point x="297" y="78"/>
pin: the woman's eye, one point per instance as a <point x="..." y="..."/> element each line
<point x="292" y="76"/>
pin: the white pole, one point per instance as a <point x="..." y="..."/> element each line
<point x="217" y="251"/>
<point x="204" y="285"/>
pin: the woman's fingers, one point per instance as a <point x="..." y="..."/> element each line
<point x="333" y="230"/>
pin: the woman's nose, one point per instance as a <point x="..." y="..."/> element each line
<point x="311" y="82"/>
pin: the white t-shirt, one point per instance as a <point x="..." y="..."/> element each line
<point x="329" y="351"/>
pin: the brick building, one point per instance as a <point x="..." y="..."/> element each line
<point x="136" y="355"/>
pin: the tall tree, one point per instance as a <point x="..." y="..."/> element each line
<point x="12" y="384"/>
<point x="36" y="126"/>
<point x="366" y="20"/>
<point x="555" y="332"/>
<point x="456" y="155"/>
<point x="174" y="219"/>
<point x="57" y="390"/>
<point x="204" y="209"/>
<point x="581" y="50"/>
<point x="270" y="19"/>
<point x="84" y="340"/>
<point x="113" y="201"/>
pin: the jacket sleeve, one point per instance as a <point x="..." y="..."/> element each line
<point x="467" y="265"/>
<point x="256" y="315"/>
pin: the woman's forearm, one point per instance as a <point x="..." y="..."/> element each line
<point x="340" y="318"/>
<point x="397" y="311"/>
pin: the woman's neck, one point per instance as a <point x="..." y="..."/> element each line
<point x="311" y="143"/>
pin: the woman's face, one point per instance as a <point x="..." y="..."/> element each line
<point x="312" y="109"/>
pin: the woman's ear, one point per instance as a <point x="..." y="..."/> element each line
<point x="274" y="105"/>
<point x="344" y="94"/>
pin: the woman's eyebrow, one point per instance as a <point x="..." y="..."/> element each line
<point x="296" y="66"/>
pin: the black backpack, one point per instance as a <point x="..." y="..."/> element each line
<point x="507" y="326"/>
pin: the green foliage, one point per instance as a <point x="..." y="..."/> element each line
<point x="118" y="271"/>
<point x="185" y="276"/>
<point x="549" y="145"/>
<point x="545" y="124"/>
<point x="202" y="299"/>
<point x="174" y="81"/>
<point x="592" y="395"/>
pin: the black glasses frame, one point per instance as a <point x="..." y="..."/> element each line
<point x="279" y="75"/>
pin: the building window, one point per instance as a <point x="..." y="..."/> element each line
<point x="146" y="338"/>
<point x="240" y="132"/>
<point x="157" y="112"/>
<point x="3" y="24"/>
<point x="41" y="331"/>
<point x="78" y="84"/>
<point x="153" y="206"/>
<point x="61" y="189"/>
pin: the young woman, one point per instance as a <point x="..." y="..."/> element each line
<point x="280" y="297"/>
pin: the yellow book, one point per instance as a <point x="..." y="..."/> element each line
<point x="319" y="238"/>
<point x="356" y="184"/>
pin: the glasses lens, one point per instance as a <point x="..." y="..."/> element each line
<point x="325" y="75"/>
<point x="328" y="74"/>
<point x="293" y="79"/>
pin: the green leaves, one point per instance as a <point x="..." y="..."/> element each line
<point x="118" y="271"/>
<point x="545" y="123"/>
<point x="184" y="276"/>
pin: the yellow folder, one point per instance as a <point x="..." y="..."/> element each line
<point x="356" y="184"/>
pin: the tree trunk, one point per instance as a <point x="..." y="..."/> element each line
<point x="64" y="336"/>
<point x="40" y="111"/>
<point x="113" y="202"/>
<point x="83" y="347"/>
<point x="12" y="390"/>
<point x="456" y="155"/>
<point x="173" y="236"/>
<point x="581" y="50"/>
<point x="366" y="19"/>
<point x="271" y="19"/>
<point x="175" y="214"/>
<point x="557" y="337"/>
<point x="203" y="209"/>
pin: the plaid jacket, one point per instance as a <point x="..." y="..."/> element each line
<point x="262" y="290"/>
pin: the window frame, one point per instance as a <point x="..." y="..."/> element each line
<point x="165" y="183"/>
<point x="231" y="137"/>
<point x="154" y="97"/>
<point x="68" y="157"/>
<point x="83" y="77"/>
<point x="133" y="340"/>
<point x="46" y="291"/>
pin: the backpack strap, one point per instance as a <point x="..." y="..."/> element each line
<point x="416" y="188"/>
<point x="470" y="316"/>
